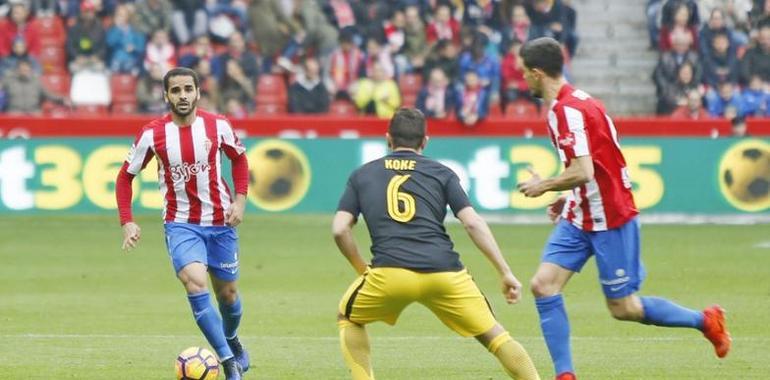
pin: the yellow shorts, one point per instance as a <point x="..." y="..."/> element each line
<point x="381" y="294"/>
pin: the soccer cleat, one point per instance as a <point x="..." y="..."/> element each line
<point x="233" y="370"/>
<point x="240" y="353"/>
<point x="715" y="330"/>
<point x="566" y="376"/>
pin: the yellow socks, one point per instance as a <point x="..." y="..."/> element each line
<point x="513" y="357"/>
<point x="354" y="343"/>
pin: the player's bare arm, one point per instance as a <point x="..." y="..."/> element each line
<point x="342" y="229"/>
<point x="482" y="237"/>
<point x="234" y="214"/>
<point x="131" y="235"/>
<point x="579" y="172"/>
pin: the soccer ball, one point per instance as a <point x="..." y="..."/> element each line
<point x="196" y="363"/>
<point x="745" y="175"/>
<point x="280" y="175"/>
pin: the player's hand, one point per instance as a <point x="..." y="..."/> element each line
<point x="234" y="214"/>
<point x="533" y="187"/>
<point x="131" y="235"/>
<point x="554" y="209"/>
<point x="511" y="288"/>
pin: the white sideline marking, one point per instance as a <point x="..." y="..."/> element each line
<point x="764" y="244"/>
<point x="379" y="338"/>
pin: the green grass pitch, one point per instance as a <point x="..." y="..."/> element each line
<point x="73" y="306"/>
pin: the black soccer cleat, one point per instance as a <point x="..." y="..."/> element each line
<point x="233" y="370"/>
<point x="240" y="353"/>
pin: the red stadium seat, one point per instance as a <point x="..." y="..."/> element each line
<point x="495" y="110"/>
<point x="50" y="29"/>
<point x="342" y="108"/>
<point x="123" y="88"/>
<point x="410" y="85"/>
<point x="271" y="90"/>
<point x="91" y="110"/>
<point x="56" y="83"/>
<point x="52" y="109"/>
<point x="53" y="59"/>
<point x="123" y="108"/>
<point x="270" y="109"/>
<point x="521" y="109"/>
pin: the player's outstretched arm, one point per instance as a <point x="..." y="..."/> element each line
<point x="580" y="171"/>
<point x="482" y="237"/>
<point x="342" y="229"/>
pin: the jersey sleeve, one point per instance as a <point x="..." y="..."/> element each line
<point x="349" y="200"/>
<point x="455" y="195"/>
<point x="230" y="143"/>
<point x="141" y="152"/>
<point x="573" y="139"/>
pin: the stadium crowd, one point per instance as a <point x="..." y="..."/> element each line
<point x="714" y="58"/>
<point x="451" y="58"/>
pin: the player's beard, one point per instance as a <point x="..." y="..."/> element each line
<point x="188" y="110"/>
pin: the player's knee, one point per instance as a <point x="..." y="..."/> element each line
<point x="542" y="288"/>
<point x="625" y="312"/>
<point x="228" y="295"/>
<point x="193" y="287"/>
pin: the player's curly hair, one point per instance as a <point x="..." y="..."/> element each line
<point x="543" y="53"/>
<point x="407" y="128"/>
<point x="180" y="72"/>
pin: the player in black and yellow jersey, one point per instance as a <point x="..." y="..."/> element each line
<point x="403" y="198"/>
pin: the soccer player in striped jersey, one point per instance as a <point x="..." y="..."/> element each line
<point x="597" y="217"/>
<point x="199" y="212"/>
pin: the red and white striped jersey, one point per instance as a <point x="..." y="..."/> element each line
<point x="189" y="166"/>
<point x="579" y="126"/>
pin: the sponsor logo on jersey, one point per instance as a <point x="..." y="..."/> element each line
<point x="185" y="171"/>
<point x="567" y="140"/>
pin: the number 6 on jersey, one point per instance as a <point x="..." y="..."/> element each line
<point x="395" y="197"/>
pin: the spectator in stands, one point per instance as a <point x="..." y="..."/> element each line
<point x="738" y="126"/>
<point x="308" y="93"/>
<point x="679" y="23"/>
<point x="443" y="26"/>
<point x="512" y="72"/>
<point x="18" y="53"/>
<point x="693" y="109"/>
<point x="160" y="51"/>
<point x="670" y="8"/>
<point x="202" y="50"/>
<point x="553" y="18"/>
<point x="437" y="98"/>
<point x="757" y="59"/>
<point x="416" y="45"/>
<point x="86" y="46"/>
<point x="675" y="94"/>
<point x="484" y="63"/>
<point x="340" y="14"/>
<point x="378" y="54"/>
<point x="188" y="20"/>
<point x="721" y="64"/>
<point x="755" y="98"/>
<point x="236" y="84"/>
<point x="24" y="92"/>
<point x="232" y="11"/>
<point x="270" y="29"/>
<point x="318" y="35"/>
<point x="247" y="60"/>
<point x="370" y="15"/>
<point x="518" y="28"/>
<point x="724" y="101"/>
<point x="484" y="16"/>
<point x="393" y="29"/>
<point x="125" y="44"/>
<point x="716" y="24"/>
<point x="654" y="10"/>
<point x="667" y="69"/>
<point x="19" y="25"/>
<point x="149" y="91"/>
<point x="209" y="86"/>
<point x="444" y="56"/>
<point x="377" y="94"/>
<point x="44" y="8"/>
<point x="735" y="12"/>
<point x="152" y="15"/>
<point x="346" y="64"/>
<point x="472" y="100"/>
<point x="759" y="13"/>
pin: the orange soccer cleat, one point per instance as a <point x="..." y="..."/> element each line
<point x="566" y="376"/>
<point x="715" y="329"/>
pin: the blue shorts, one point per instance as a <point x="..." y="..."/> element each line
<point x="213" y="246"/>
<point x="621" y="271"/>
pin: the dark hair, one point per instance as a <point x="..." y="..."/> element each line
<point x="543" y="53"/>
<point x="407" y="128"/>
<point x="180" y="72"/>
